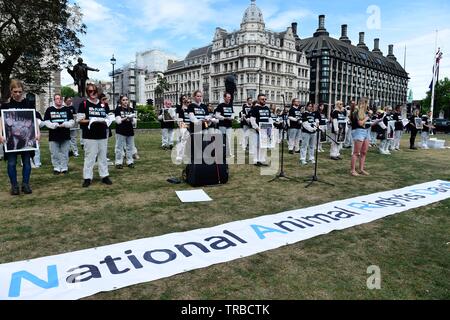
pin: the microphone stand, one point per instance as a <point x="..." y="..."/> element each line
<point x="314" y="178"/>
<point x="281" y="173"/>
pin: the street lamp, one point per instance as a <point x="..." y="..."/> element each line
<point x="259" y="81"/>
<point x="113" y="62"/>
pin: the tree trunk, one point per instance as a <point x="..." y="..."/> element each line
<point x="4" y="85"/>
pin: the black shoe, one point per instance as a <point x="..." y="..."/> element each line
<point x="291" y="151"/>
<point x="171" y="147"/>
<point x="86" y="183"/>
<point x="64" y="172"/>
<point x="26" y="188"/>
<point x="119" y="166"/>
<point x="15" y="191"/>
<point x="131" y="166"/>
<point x="56" y="172"/>
<point x="258" y="164"/>
<point x="334" y="158"/>
<point x="339" y="158"/>
<point x="70" y="153"/>
<point x="263" y="164"/>
<point x="107" y="181"/>
<point x="297" y="151"/>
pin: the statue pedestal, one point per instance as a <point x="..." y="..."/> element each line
<point x="76" y="101"/>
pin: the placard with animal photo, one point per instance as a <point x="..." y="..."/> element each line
<point x="390" y="130"/>
<point x="340" y="137"/>
<point x="168" y="114"/>
<point x="19" y="130"/>
<point x="419" y="123"/>
<point x="267" y="135"/>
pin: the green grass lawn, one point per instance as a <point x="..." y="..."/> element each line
<point x="412" y="248"/>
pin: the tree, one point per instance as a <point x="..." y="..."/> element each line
<point x="36" y="37"/>
<point x="68" y="92"/>
<point x="441" y="98"/>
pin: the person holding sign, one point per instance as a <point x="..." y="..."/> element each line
<point x="224" y="112"/>
<point x="167" y="119"/>
<point x="310" y="125"/>
<point x="338" y="130"/>
<point x="17" y="101"/>
<point x="413" y="129"/>
<point x="259" y="114"/>
<point x="94" y="122"/>
<point x="427" y="128"/>
<point x="59" y="119"/>
<point x="125" y="119"/>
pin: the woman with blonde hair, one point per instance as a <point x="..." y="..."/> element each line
<point x="360" y="135"/>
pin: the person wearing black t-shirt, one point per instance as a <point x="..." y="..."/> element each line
<point x="198" y="114"/>
<point x="59" y="120"/>
<point x="310" y="125"/>
<point x="338" y="130"/>
<point x="360" y="135"/>
<point x="244" y="115"/>
<point x="224" y="112"/>
<point x="278" y="122"/>
<point x="125" y="119"/>
<point x="323" y="121"/>
<point x="295" y="125"/>
<point x="94" y="122"/>
<point x="385" y="142"/>
<point x="183" y="129"/>
<point x="17" y="101"/>
<point x="397" y="117"/>
<point x="74" y="130"/>
<point x="167" y="125"/>
<point x="413" y="129"/>
<point x="427" y="128"/>
<point x="259" y="114"/>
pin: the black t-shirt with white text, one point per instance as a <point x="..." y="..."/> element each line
<point x="261" y="113"/>
<point x="295" y="113"/>
<point x="59" y="116"/>
<point x="311" y="118"/>
<point x="126" y="127"/>
<point x="227" y="111"/>
<point x="98" y="130"/>
<point x="200" y="112"/>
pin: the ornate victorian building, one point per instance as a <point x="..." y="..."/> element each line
<point x="261" y="61"/>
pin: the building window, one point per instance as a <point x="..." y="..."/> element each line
<point x="252" y="63"/>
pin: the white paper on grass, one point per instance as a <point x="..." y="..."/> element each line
<point x="193" y="196"/>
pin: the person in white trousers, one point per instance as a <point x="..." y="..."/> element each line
<point x="259" y="114"/>
<point x="167" y="119"/>
<point x="338" y="125"/>
<point x="94" y="121"/>
<point x="310" y="125"/>
<point x="125" y="118"/>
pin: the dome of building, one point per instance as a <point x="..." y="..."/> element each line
<point x="253" y="14"/>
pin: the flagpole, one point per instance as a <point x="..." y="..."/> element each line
<point x="434" y="80"/>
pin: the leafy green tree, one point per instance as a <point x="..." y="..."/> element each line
<point x="68" y="92"/>
<point x="441" y="99"/>
<point x="36" y="37"/>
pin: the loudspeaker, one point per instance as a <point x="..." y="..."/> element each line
<point x="208" y="160"/>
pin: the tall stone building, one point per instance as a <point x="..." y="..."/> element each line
<point x="342" y="71"/>
<point x="261" y="61"/>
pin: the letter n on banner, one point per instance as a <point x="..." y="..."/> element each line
<point x="16" y="280"/>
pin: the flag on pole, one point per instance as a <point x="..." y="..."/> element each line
<point x="436" y="68"/>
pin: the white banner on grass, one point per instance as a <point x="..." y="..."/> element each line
<point x="83" y="273"/>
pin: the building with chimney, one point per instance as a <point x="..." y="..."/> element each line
<point x="261" y="61"/>
<point x="343" y="71"/>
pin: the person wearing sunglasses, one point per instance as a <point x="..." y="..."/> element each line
<point x="94" y="122"/>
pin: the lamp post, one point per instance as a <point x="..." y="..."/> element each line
<point x="176" y="88"/>
<point x="113" y="62"/>
<point x="259" y="81"/>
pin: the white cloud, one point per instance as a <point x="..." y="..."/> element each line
<point x="94" y="11"/>
<point x="282" y="20"/>
<point x="419" y="59"/>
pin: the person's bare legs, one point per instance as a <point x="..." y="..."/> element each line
<point x="362" y="158"/>
<point x="356" y="151"/>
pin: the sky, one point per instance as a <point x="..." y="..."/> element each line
<point x="125" y="27"/>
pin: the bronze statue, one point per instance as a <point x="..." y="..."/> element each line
<point x="79" y="74"/>
<point x="230" y="85"/>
